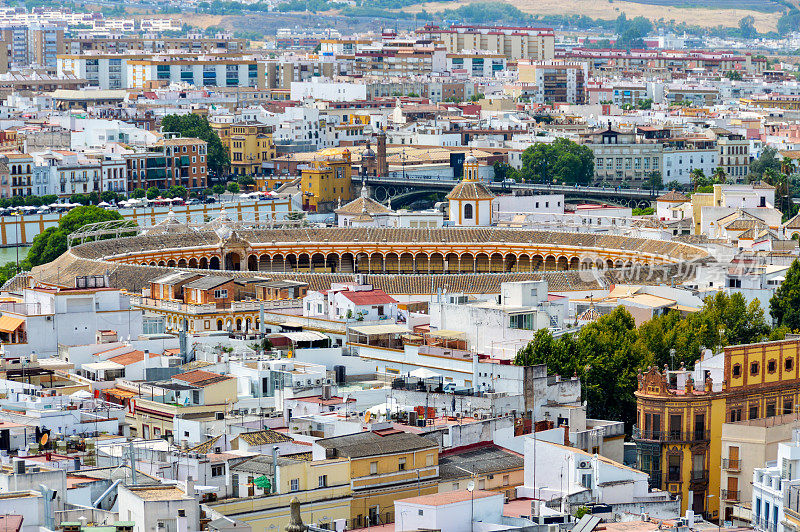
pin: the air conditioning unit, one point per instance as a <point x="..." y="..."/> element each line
<point x="584" y="465"/>
<point x="319" y="381"/>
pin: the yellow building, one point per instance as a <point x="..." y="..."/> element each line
<point x="385" y="465"/>
<point x="326" y="180"/>
<point x="489" y="466"/>
<point x="321" y="486"/>
<point x="154" y="406"/>
<point x="250" y="145"/>
<point x="679" y="422"/>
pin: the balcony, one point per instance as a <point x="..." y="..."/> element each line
<point x="759" y="523"/>
<point x="730" y="495"/>
<point x="731" y="464"/>
<point x="675" y="436"/>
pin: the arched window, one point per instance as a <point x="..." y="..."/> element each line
<point x="468" y="211"/>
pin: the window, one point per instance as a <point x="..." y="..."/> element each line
<point x="420" y="512"/>
<point x="401" y="465"/>
<point x="674" y="468"/>
<point x="770" y="410"/>
<point x="323" y="481"/>
<point x="787" y="406"/>
<point x="753" y="413"/>
<point x="737" y="370"/>
<point x="754" y="368"/>
<point x="772" y="365"/>
<point x="294" y="484"/>
<point x="505" y="480"/>
<point x="468" y="211"/>
<point x="788" y="364"/>
<point x="220" y="294"/>
<point x="429" y="459"/>
<point x="217" y="470"/>
<point x="373" y="468"/>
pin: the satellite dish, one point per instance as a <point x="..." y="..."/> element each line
<point x="471" y="486"/>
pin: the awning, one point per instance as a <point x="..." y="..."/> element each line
<point x="117" y="392"/>
<point x="448" y="334"/>
<point x="388" y="328"/>
<point x="304" y="336"/>
<point x="10" y="324"/>
<point x="424" y="373"/>
<point x="106" y="365"/>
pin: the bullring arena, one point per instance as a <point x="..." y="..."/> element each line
<point x="399" y="260"/>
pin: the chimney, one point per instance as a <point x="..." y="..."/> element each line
<point x="145" y="363"/>
<point x="275" y="477"/>
<point x="189" y="487"/>
<point x="181" y="524"/>
<point x="566" y="435"/>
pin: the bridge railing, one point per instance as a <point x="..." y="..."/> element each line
<point x="410" y="180"/>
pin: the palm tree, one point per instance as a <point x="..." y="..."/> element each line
<point x="781" y="183"/>
<point x="788" y="166"/>
<point x="719" y="175"/>
<point x="696" y="176"/>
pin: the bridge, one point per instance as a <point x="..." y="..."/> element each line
<point x="404" y="190"/>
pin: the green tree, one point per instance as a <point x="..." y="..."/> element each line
<point x="747" y="28"/>
<point x="697" y="178"/>
<point x="138" y="193"/>
<point x="606" y="357"/>
<point x="784" y="307"/>
<point x="562" y="161"/>
<point x="153" y="193"/>
<point x="768" y="160"/>
<point x="654" y="180"/>
<point x="52" y="242"/>
<point x="177" y="191"/>
<point x="645" y="104"/>
<point x="196" y="126"/>
<point x="233" y="188"/>
<point x="218" y="189"/>
<point x="246" y="181"/>
<point x="503" y="171"/>
<point x="733" y="75"/>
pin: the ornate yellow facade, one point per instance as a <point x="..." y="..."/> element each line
<point x="679" y="422"/>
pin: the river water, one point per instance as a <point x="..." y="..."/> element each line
<point x="10" y="254"/>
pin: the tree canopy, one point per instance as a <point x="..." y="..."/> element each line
<point x="785" y="303"/>
<point x="52" y="242"/>
<point x="608" y="353"/>
<point x="196" y="126"/>
<point x="563" y="161"/>
<point x="768" y="160"/>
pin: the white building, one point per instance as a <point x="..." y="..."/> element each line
<point x="501" y="328"/>
<point x="350" y="301"/>
<point x="771" y="487"/>
<point x="452" y="511"/>
<point x="558" y="474"/>
<point x="327" y="90"/>
<point x="679" y="163"/>
<point x="47" y="318"/>
<point x="166" y="507"/>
